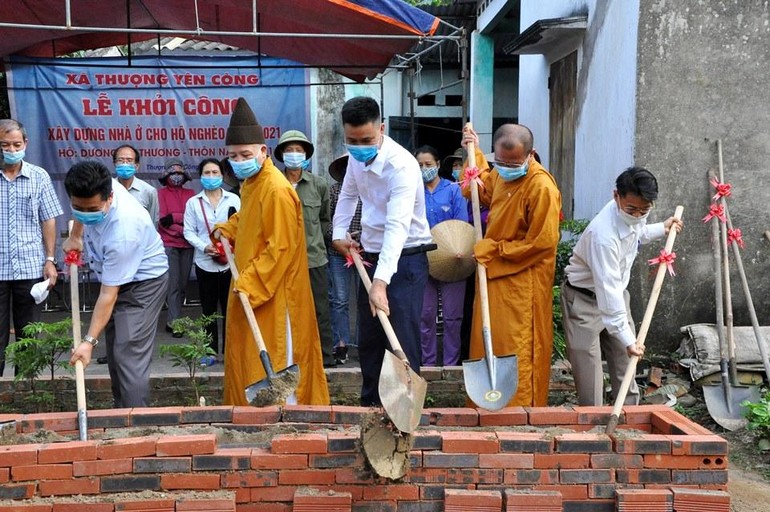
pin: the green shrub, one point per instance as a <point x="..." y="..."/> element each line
<point x="41" y="349"/>
<point x="189" y="355"/>
<point x="758" y="415"/>
<point x="563" y="253"/>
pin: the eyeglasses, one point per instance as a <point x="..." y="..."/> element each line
<point x="6" y="146"/>
<point x="511" y="165"/>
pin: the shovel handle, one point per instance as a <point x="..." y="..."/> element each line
<point x="250" y="318"/>
<point x="642" y="335"/>
<point x="384" y="320"/>
<point x="744" y="282"/>
<point x="481" y="270"/>
<point x="80" y="378"/>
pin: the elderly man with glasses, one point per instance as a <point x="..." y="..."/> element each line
<point x="595" y="302"/>
<point x="519" y="253"/>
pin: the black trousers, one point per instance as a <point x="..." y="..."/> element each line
<point x="214" y="290"/>
<point x="16" y="302"/>
<point x="405" y="294"/>
<point x="319" y="283"/>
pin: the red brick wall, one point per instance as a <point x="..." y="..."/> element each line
<point x="464" y="449"/>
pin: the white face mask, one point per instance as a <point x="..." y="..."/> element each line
<point x="632" y="221"/>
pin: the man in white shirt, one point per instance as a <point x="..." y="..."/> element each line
<point x="395" y="237"/>
<point x="594" y="299"/>
<point x="127" y="255"/>
<point x="126" y="160"/>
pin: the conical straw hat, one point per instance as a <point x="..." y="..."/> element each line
<point x="453" y="237"/>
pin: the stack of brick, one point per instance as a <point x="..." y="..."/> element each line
<point x="532" y="501"/>
<point x="644" y="500"/>
<point x="459" y="500"/>
<point x="556" y="451"/>
<point x="700" y="500"/>
<point x="309" y="500"/>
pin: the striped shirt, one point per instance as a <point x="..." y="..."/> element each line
<point x="25" y="203"/>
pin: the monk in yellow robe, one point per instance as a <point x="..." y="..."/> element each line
<point x="519" y="253"/>
<point x="269" y="238"/>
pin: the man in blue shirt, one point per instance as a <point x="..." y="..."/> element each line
<point x="28" y="212"/>
<point x="128" y="256"/>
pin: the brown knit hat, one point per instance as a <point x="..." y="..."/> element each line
<point x="244" y="127"/>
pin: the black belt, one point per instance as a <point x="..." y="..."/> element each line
<point x="373" y="257"/>
<point x="584" y="291"/>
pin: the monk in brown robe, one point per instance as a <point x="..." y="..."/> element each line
<point x="269" y="238"/>
<point x="519" y="253"/>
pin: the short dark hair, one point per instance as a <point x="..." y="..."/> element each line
<point x="209" y="161"/>
<point x="638" y="181"/>
<point x="88" y="178"/>
<point x="132" y="148"/>
<point x="360" y="110"/>
<point x="430" y="150"/>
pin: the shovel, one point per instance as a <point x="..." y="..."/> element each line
<point x="276" y="387"/>
<point x="492" y="381"/>
<point x="642" y="335"/>
<point x="402" y="391"/>
<point x="80" y="381"/>
<point x="745" y="285"/>
<point x="723" y="402"/>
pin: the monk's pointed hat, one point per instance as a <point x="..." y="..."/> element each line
<point x="244" y="127"/>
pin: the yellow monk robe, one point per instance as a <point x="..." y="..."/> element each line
<point x="519" y="253"/>
<point x="269" y="237"/>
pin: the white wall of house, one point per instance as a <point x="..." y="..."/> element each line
<point x="606" y="93"/>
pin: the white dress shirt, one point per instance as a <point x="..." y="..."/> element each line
<point x="195" y="231"/>
<point x="125" y="247"/>
<point x="147" y="195"/>
<point x="602" y="261"/>
<point x="393" y="205"/>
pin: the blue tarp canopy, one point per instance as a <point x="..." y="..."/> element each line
<point x="314" y="32"/>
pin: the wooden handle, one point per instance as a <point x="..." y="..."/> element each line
<point x="642" y="335"/>
<point x="250" y="318"/>
<point x="744" y="284"/>
<point x="384" y="320"/>
<point x="481" y="270"/>
<point x="80" y="377"/>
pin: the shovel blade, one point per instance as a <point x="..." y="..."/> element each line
<point x="729" y="416"/>
<point x="482" y="390"/>
<point x="273" y="390"/>
<point x="402" y="393"/>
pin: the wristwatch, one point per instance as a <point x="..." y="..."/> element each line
<point x="51" y="259"/>
<point x="90" y="339"/>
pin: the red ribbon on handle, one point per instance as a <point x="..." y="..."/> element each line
<point x="723" y="189"/>
<point x="349" y="258"/>
<point x="716" y="210"/>
<point x="73" y="258"/>
<point x="735" y="236"/>
<point x="667" y="258"/>
<point x="471" y="174"/>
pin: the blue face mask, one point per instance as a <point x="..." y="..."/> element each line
<point x="89" y="218"/>
<point x="429" y="174"/>
<point x="211" y="182"/>
<point x="13" y="158"/>
<point x="512" y="173"/>
<point x="362" y="153"/>
<point x="125" y="171"/>
<point x="456" y="174"/>
<point x="246" y="169"/>
<point x="295" y="161"/>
